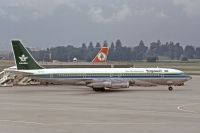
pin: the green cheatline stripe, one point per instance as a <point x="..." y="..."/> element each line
<point x="112" y="74"/>
<point x="120" y="73"/>
<point x="108" y="76"/>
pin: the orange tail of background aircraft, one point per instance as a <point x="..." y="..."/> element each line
<point x="101" y="56"/>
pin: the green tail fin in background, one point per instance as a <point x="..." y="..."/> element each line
<point x="23" y="58"/>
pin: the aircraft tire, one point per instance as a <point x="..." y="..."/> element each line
<point x="99" y="89"/>
<point x="170" y="88"/>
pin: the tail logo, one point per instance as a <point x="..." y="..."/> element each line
<point x="23" y="60"/>
<point x="101" y="56"/>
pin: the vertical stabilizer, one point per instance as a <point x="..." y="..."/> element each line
<point x="101" y="56"/>
<point x="23" y="59"/>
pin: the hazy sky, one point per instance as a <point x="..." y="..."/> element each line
<point x="45" y="23"/>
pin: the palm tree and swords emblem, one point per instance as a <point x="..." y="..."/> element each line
<point x="23" y="59"/>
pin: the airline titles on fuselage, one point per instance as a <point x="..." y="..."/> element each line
<point x="148" y="71"/>
<point x="153" y="71"/>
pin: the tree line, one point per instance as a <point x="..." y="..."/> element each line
<point x="119" y="52"/>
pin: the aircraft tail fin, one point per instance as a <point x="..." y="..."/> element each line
<point x="101" y="56"/>
<point x="23" y="59"/>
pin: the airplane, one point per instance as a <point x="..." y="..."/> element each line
<point x="100" y="79"/>
<point x="102" y="55"/>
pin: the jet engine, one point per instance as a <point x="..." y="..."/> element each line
<point x="111" y="85"/>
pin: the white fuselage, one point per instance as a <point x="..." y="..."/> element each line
<point x="158" y="76"/>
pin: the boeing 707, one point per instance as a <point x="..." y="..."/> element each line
<point x="99" y="79"/>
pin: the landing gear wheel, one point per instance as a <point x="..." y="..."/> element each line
<point x="99" y="89"/>
<point x="103" y="89"/>
<point x="170" y="88"/>
<point x="95" y="89"/>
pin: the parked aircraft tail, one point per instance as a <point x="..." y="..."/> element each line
<point x="101" y="56"/>
<point x="23" y="59"/>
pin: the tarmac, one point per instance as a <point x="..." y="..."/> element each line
<point x="77" y="109"/>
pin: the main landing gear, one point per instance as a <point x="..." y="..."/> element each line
<point x="99" y="89"/>
<point x="170" y="88"/>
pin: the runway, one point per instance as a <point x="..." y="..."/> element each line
<point x="75" y="109"/>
